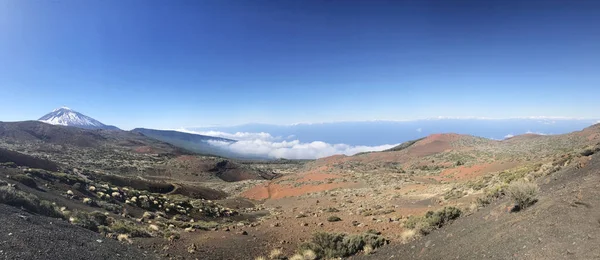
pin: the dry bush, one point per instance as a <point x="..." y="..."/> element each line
<point x="407" y="235"/>
<point x="492" y="194"/>
<point x="129" y="228"/>
<point x="276" y="254"/>
<point x="334" y="245"/>
<point x="90" y="220"/>
<point x="368" y="249"/>
<point x="124" y="238"/>
<point x="309" y="255"/>
<point x="524" y="194"/>
<point x="433" y="220"/>
<point x="296" y="257"/>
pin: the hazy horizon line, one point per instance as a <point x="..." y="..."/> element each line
<point x="563" y="118"/>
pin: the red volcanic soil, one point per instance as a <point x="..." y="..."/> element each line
<point x="333" y="158"/>
<point x="433" y="144"/>
<point x="278" y="191"/>
<point x="430" y="145"/>
<point x="297" y="187"/>
<point x="592" y="133"/>
<point x="318" y="177"/>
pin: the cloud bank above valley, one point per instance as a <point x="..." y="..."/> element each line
<point x="309" y="141"/>
<point x="265" y="145"/>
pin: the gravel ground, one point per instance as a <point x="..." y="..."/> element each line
<point x="27" y="236"/>
<point x="564" y="224"/>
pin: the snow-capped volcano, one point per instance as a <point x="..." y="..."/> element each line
<point x="68" y="117"/>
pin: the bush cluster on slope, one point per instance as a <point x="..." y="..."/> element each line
<point x="334" y="245"/>
<point x="524" y="194"/>
<point x="433" y="220"/>
<point x="16" y="198"/>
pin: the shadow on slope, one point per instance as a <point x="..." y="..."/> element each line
<point x="19" y="159"/>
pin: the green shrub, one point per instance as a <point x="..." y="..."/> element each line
<point x="377" y="212"/>
<point x="492" y="194"/>
<point x="129" y="228"/>
<point x="25" y="180"/>
<point x="13" y="197"/>
<point x="205" y="225"/>
<point x="334" y="219"/>
<point x="9" y="164"/>
<point x="433" y="220"/>
<point x="477" y="185"/>
<point x="114" y="208"/>
<point x="524" y="194"/>
<point x="508" y="177"/>
<point x="90" y="220"/>
<point x="454" y="193"/>
<point x="334" y="245"/>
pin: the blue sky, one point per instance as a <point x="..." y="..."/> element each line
<point x="167" y="64"/>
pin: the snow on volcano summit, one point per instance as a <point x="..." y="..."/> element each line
<point x="68" y="117"/>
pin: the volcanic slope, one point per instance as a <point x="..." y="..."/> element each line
<point x="563" y="224"/>
<point x="382" y="190"/>
<point x="123" y="186"/>
<point x="119" y="152"/>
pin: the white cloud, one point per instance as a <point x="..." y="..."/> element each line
<point x="419" y="130"/>
<point x="295" y="149"/>
<point x="240" y="136"/>
<point x="536" y="133"/>
<point x="264" y="144"/>
<point x="508" y="136"/>
<point x="547" y="122"/>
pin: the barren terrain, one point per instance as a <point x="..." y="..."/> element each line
<point x="153" y="197"/>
